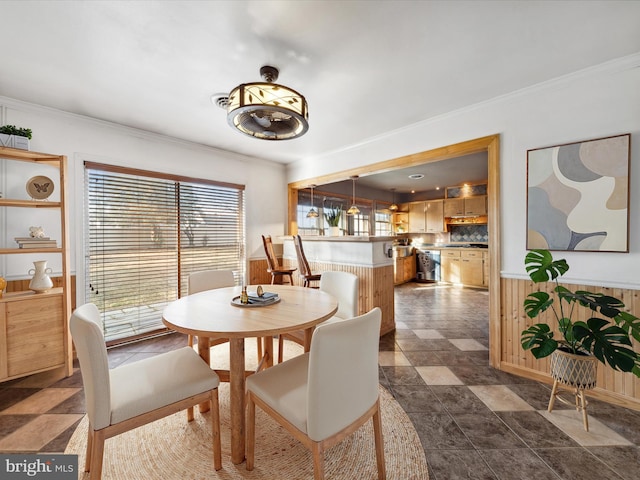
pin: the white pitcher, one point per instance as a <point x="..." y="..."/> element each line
<point x="40" y="282"/>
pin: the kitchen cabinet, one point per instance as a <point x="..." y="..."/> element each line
<point x="450" y="266"/>
<point x="34" y="330"/>
<point x="426" y="217"/>
<point x="485" y="269"/>
<point x="453" y="207"/>
<point x="434" y="212"/>
<point x="466" y="266"/>
<point x="475" y="205"/>
<point x="417" y="218"/>
<point x="471" y="268"/>
<point x="404" y="269"/>
<point x="465" y="206"/>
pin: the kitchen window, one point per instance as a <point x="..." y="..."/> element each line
<point x="145" y="233"/>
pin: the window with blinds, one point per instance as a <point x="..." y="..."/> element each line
<point x="146" y="233"/>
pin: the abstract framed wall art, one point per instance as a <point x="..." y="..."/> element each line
<point x="578" y="196"/>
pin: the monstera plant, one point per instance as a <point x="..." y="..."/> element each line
<point x="607" y="335"/>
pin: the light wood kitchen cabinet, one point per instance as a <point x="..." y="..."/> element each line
<point x="468" y="267"/>
<point x="450" y="266"/>
<point x="471" y="268"/>
<point x="434" y="211"/>
<point x="453" y="207"/>
<point x="34" y="330"/>
<point x="475" y="205"/>
<point x="417" y="218"/>
<point x="465" y="206"/>
<point x="404" y="269"/>
<point x="485" y="269"/>
<point x="426" y="217"/>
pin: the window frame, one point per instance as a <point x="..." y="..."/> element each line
<point x="178" y="250"/>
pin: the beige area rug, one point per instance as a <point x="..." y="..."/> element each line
<point x="173" y="449"/>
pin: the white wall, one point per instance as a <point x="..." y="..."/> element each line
<point x="81" y="138"/>
<point x="601" y="101"/>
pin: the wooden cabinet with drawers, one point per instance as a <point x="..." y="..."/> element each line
<point x="465" y="266"/>
<point x="471" y="268"/>
<point x="450" y="266"/>
<point x="33" y="333"/>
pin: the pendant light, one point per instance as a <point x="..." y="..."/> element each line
<point x="353" y="209"/>
<point x="313" y="213"/>
<point x="393" y="207"/>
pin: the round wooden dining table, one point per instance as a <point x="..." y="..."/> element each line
<point x="213" y="314"/>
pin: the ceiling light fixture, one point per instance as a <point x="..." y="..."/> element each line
<point x="416" y="176"/>
<point x="353" y="209"/>
<point x="313" y="213"/>
<point x="393" y="207"/>
<point x="267" y="110"/>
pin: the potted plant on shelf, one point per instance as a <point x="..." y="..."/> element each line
<point x="332" y="216"/>
<point x="605" y="338"/>
<point x="14" y="137"/>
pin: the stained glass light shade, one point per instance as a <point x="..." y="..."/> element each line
<point x="268" y="111"/>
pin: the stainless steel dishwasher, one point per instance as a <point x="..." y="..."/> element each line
<point x="428" y="266"/>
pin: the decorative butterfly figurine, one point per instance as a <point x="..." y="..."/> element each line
<point x="41" y="188"/>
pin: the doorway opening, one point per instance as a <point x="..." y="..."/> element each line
<point x="490" y="145"/>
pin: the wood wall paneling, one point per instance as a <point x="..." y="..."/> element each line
<point x="375" y="287"/>
<point x="613" y="386"/>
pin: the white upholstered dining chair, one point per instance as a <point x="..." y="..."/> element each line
<point x="344" y="287"/>
<point x="210" y="280"/>
<point x="138" y="393"/>
<point x="325" y="395"/>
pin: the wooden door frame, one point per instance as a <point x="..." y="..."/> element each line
<point x="489" y="144"/>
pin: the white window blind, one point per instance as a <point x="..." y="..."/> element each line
<point x="146" y="233"/>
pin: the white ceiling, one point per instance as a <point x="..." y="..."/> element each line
<point x="366" y="67"/>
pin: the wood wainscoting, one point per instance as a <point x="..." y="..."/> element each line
<point x="373" y="288"/>
<point x="613" y="386"/>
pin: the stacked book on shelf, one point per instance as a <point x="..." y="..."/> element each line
<point x="265" y="299"/>
<point x="30" y="242"/>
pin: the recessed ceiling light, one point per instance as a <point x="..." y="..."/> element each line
<point x="416" y="176"/>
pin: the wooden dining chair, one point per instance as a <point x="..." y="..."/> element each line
<point x="137" y="393"/>
<point x="305" y="271"/>
<point x="325" y="395"/>
<point x="273" y="266"/>
<point x="344" y="287"/>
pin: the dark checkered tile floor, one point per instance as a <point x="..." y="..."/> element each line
<point x="474" y="422"/>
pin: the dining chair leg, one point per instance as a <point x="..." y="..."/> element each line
<point x="317" y="451"/>
<point x="97" y="453"/>
<point x="251" y="432"/>
<point x="377" y="434"/>
<point x="215" y="430"/>
<point x="190" y="416"/>
<point x="87" y="458"/>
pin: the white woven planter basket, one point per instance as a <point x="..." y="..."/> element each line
<point x="577" y="371"/>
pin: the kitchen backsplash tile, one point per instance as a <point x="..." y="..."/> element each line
<point x="469" y="233"/>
